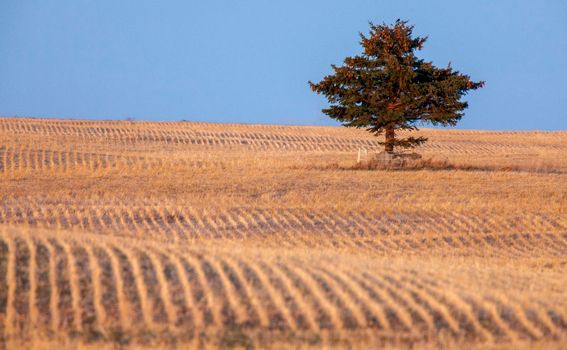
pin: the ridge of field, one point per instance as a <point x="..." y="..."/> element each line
<point x="228" y="235"/>
<point x="274" y="137"/>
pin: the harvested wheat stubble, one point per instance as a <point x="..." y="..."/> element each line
<point x="134" y="234"/>
<point x="265" y="290"/>
<point x="265" y="137"/>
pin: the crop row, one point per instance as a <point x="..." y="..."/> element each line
<point x="105" y="290"/>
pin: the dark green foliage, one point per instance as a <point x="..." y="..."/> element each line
<point x="387" y="88"/>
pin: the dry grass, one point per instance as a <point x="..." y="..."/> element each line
<point x="433" y="163"/>
<point x="216" y="235"/>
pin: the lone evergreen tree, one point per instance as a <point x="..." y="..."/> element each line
<point x="387" y="88"/>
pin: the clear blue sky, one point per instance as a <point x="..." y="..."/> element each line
<point x="249" y="61"/>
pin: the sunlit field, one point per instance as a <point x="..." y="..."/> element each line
<point x="139" y="234"/>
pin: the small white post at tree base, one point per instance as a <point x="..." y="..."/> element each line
<point x="361" y="152"/>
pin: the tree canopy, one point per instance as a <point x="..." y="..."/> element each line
<point x="387" y="88"/>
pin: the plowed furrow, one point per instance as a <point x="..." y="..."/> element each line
<point x="540" y="323"/>
<point x="374" y="317"/>
<point x="442" y="320"/>
<point x="288" y="227"/>
<point x="183" y="315"/>
<point x="137" y="314"/>
<point x="224" y="309"/>
<point x="483" y="315"/>
<point x="398" y="318"/>
<point x="559" y="241"/>
<point x="276" y="318"/>
<point x="489" y="317"/>
<point x="322" y="316"/>
<point x="107" y="281"/>
<point x="514" y="321"/>
<point x="468" y="327"/>
<point x="200" y="298"/>
<point x="172" y="220"/>
<point x="4" y="256"/>
<point x="420" y="319"/>
<point x="111" y="223"/>
<point x="298" y="309"/>
<point x="235" y="224"/>
<point x="32" y="315"/>
<point x="84" y="281"/>
<point x="557" y="319"/>
<point x="252" y="318"/>
<point x="540" y="309"/>
<point x="439" y="319"/>
<point x="43" y="287"/>
<point x="127" y="220"/>
<point x="188" y="225"/>
<point x="62" y="276"/>
<point x="185" y="228"/>
<point x="74" y="274"/>
<point x="349" y="319"/>
<point x="153" y="288"/>
<point x="22" y="286"/>
<point x="298" y="236"/>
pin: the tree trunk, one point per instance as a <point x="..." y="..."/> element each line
<point x="390" y="137"/>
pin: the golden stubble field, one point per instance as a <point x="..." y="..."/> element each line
<point x="136" y="234"/>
